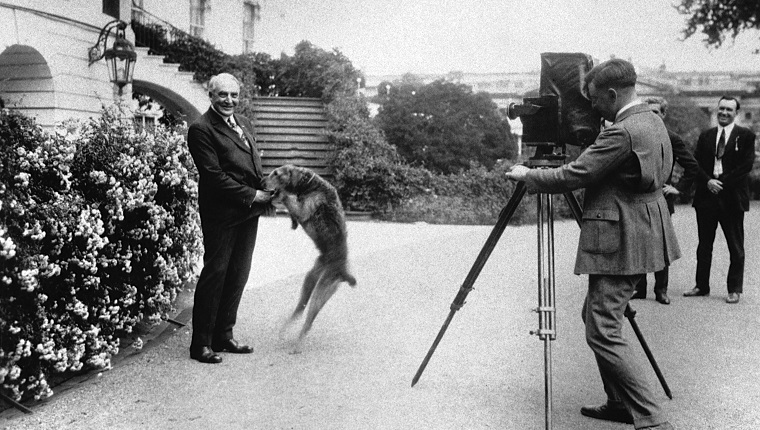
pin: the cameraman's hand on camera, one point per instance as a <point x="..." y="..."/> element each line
<point x="518" y="172"/>
<point x="263" y="196"/>
<point x="670" y="190"/>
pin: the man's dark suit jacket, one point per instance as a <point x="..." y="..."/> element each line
<point x="230" y="171"/>
<point x="737" y="164"/>
<point x="683" y="156"/>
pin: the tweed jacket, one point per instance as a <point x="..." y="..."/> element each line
<point x="737" y="163"/>
<point x="230" y="171"/>
<point x="626" y="227"/>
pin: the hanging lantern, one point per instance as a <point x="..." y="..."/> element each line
<point x="120" y="58"/>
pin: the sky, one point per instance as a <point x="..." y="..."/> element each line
<point x="383" y="37"/>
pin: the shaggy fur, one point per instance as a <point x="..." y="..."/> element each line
<point x="314" y="204"/>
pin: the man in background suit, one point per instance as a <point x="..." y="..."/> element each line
<point x="231" y="197"/>
<point x="681" y="155"/>
<point x="625" y="232"/>
<point x="725" y="155"/>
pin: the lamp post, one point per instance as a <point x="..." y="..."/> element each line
<point x="120" y="58"/>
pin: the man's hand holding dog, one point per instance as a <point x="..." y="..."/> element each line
<point x="263" y="196"/>
<point x="518" y="172"/>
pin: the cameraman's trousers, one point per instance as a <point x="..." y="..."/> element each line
<point x="622" y="375"/>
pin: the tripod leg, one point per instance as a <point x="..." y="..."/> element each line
<point x="631" y="314"/>
<point x="504" y="217"/>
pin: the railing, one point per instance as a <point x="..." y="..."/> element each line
<point x="193" y="54"/>
<point x="153" y="32"/>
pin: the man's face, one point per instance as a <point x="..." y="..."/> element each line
<point x="225" y="97"/>
<point x="726" y="112"/>
<point x="603" y="101"/>
<point x="656" y="108"/>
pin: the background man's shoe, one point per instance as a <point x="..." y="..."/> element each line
<point x="732" y="298"/>
<point x="662" y="298"/>
<point x="205" y="355"/>
<point x="231" y="345"/>
<point x="606" y="412"/>
<point x="639" y="295"/>
<point x="694" y="292"/>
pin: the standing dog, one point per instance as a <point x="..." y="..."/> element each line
<point x="314" y="204"/>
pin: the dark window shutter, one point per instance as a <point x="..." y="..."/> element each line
<point x="111" y="7"/>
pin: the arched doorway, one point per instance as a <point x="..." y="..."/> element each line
<point x="26" y="83"/>
<point x="171" y="101"/>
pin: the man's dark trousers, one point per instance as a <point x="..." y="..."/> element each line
<point x="226" y="264"/>
<point x="732" y="224"/>
<point x="603" y="314"/>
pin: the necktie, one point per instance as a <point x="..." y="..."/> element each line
<point x="721" y="145"/>
<point x="238" y="130"/>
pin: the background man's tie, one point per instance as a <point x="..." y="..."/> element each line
<point x="721" y="145"/>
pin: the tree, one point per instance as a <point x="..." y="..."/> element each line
<point x="445" y="127"/>
<point x="685" y="118"/>
<point x="314" y="72"/>
<point x="718" y="19"/>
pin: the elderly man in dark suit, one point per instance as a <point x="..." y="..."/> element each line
<point x="231" y="196"/>
<point x="683" y="156"/>
<point x="725" y="155"/>
<point x="626" y="231"/>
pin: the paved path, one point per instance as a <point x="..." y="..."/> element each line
<point x="357" y="364"/>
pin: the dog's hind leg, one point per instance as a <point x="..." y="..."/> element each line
<point x="325" y="288"/>
<point x="309" y="282"/>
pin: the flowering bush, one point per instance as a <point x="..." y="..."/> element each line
<point x="98" y="231"/>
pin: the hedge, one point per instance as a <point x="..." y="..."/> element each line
<point x="98" y="231"/>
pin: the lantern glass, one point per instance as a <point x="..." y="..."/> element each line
<point x="121" y="62"/>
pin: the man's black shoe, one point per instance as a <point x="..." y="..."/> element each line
<point x="606" y="412"/>
<point x="231" y="345"/>
<point x="639" y="295"/>
<point x="694" y="292"/>
<point x="662" y="298"/>
<point x="205" y="355"/>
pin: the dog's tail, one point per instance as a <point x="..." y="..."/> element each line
<point x="348" y="278"/>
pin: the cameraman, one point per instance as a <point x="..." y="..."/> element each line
<point x="626" y="231"/>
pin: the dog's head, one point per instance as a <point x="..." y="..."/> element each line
<point x="288" y="178"/>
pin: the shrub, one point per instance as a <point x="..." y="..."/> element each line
<point x="473" y="196"/>
<point x="98" y="231"/>
<point x="369" y="174"/>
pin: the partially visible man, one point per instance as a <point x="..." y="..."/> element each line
<point x="231" y="197"/>
<point x="681" y="155"/>
<point x="725" y="155"/>
<point x="626" y="232"/>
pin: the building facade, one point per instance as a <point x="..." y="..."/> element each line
<point x="45" y="69"/>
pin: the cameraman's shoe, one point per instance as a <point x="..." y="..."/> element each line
<point x="608" y="412"/>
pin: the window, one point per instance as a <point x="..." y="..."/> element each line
<point x="138" y="12"/>
<point x="197" y="17"/>
<point x="111" y="8"/>
<point x="748" y="115"/>
<point x="250" y="15"/>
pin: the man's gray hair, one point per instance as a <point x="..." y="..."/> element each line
<point x="658" y="101"/>
<point x="216" y="81"/>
